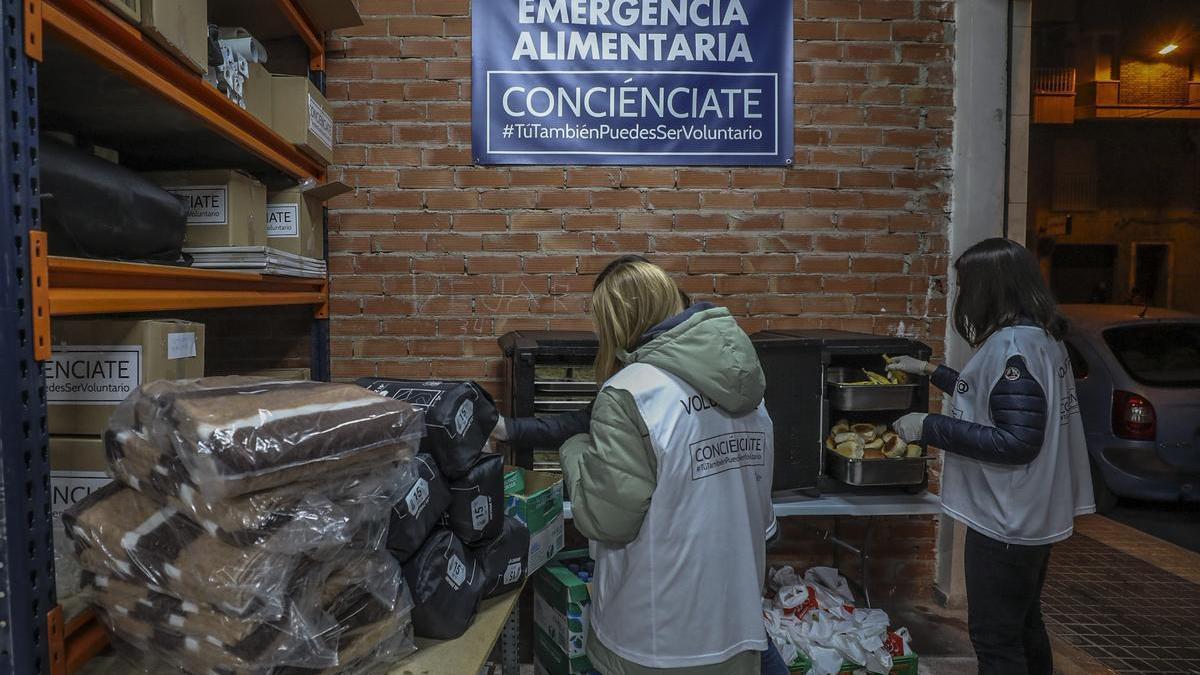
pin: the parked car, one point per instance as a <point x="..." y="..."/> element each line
<point x="1137" y="376"/>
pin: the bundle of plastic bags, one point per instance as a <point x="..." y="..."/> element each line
<point x="246" y="530"/>
<point x="815" y="615"/>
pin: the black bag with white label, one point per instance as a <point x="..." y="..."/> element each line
<point x="476" y="512"/>
<point x="425" y="500"/>
<point x="447" y="586"/>
<point x="459" y="418"/>
<point x="93" y="208"/>
<point x="505" y="559"/>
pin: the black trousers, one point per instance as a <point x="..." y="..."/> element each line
<point x="1004" y="606"/>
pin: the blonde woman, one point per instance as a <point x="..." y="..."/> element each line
<point x="673" y="482"/>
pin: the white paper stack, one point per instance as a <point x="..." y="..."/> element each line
<point x="260" y="259"/>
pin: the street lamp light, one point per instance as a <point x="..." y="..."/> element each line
<point x="1168" y="49"/>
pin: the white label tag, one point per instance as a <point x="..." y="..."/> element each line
<point x="417" y="497"/>
<point x="283" y="220"/>
<point x="320" y="123"/>
<point x="512" y="573"/>
<point x="481" y="512"/>
<point x="206" y="204"/>
<point x="68" y="488"/>
<point x="181" y="346"/>
<point x="462" y="418"/>
<point x="93" y="375"/>
<point x="456" y="572"/>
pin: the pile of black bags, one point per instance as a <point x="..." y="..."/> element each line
<point x="449" y="531"/>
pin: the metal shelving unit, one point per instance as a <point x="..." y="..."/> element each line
<point x="86" y="41"/>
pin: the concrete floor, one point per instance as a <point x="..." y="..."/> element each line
<point x="1176" y="523"/>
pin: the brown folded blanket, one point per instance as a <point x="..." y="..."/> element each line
<point x="238" y="435"/>
<point x="290" y="518"/>
<point x="120" y="531"/>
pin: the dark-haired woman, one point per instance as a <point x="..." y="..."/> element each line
<point x="1016" y="468"/>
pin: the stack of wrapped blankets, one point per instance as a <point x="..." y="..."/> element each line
<point x="449" y="531"/>
<point x="245" y="532"/>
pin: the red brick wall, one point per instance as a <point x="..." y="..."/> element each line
<point x="433" y="258"/>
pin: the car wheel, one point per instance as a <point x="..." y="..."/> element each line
<point x="1106" y="501"/>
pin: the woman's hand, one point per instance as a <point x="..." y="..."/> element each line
<point x="907" y="364"/>
<point x="500" y="433"/>
<point x="910" y="428"/>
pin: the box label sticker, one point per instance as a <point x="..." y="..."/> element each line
<point x="320" y="123"/>
<point x="462" y="418"/>
<point x="417" y="497"/>
<point x="512" y="573"/>
<point x="481" y="512"/>
<point x="68" y="488"/>
<point x="181" y="346"/>
<point x="456" y="572"/>
<point x="93" y="375"/>
<point x="734" y="450"/>
<point x="283" y="220"/>
<point x="206" y="204"/>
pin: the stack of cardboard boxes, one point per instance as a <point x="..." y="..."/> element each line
<point x="562" y="596"/>
<point x="93" y="366"/>
<point x="536" y="499"/>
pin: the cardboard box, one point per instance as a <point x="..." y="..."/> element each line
<point x="95" y="364"/>
<point x="181" y="27"/>
<point x="561" y="603"/>
<point x="540" y="507"/>
<point x="256" y="92"/>
<point x="295" y="219"/>
<point x="514" y="480"/>
<point x="225" y="207"/>
<point x="127" y="9"/>
<point x="78" y="467"/>
<point x="299" y="374"/>
<point x="549" y="657"/>
<point x="302" y="116"/>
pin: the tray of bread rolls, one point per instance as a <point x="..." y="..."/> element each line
<point x="872" y="455"/>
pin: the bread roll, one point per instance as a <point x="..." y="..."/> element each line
<point x="876" y="444"/>
<point x="851" y="450"/>
<point x="841" y="427"/>
<point x="894" y="447"/>
<point x="914" y="450"/>
<point x="873" y="454"/>
<point x="846" y="437"/>
<point x="880" y="429"/>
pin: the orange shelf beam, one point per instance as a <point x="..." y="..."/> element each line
<point x="308" y="34"/>
<point x="122" y="48"/>
<point x="80" y="287"/>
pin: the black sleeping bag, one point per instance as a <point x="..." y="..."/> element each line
<point x="505" y="559"/>
<point x="93" y="208"/>
<point x="476" y="512"/>
<point x="447" y="586"/>
<point x="459" y="418"/>
<point x="425" y="500"/>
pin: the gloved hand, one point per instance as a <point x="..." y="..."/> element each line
<point x="907" y="364"/>
<point x="910" y="427"/>
<point x="500" y="433"/>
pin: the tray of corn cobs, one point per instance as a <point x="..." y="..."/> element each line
<point x="852" y="389"/>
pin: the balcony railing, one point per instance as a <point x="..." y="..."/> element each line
<point x="1054" y="81"/>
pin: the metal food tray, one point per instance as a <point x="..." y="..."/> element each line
<point x="565" y="387"/>
<point x="866" y="396"/>
<point x="876" y="472"/>
<point x="559" y="406"/>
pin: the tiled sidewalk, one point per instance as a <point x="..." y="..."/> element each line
<point x="1127" y="599"/>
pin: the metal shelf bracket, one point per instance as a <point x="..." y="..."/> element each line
<point x="39" y="272"/>
<point x="33" y="29"/>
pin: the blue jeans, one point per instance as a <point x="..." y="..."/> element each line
<point x="772" y="661"/>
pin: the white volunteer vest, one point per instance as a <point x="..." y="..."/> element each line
<point x="688" y="590"/>
<point x="1035" y="503"/>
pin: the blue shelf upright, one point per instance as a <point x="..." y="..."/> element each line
<point x="27" y="594"/>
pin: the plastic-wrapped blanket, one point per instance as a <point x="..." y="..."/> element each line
<point x="245" y="532"/>
<point x="318" y="512"/>
<point x="358" y="609"/>
<point x="816" y="616"/>
<point x="231" y="436"/>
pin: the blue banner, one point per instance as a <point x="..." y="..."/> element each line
<point x="632" y="82"/>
